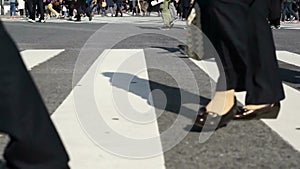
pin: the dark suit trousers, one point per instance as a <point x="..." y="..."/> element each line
<point x="241" y="35"/>
<point x="81" y="7"/>
<point x="34" y="142"/>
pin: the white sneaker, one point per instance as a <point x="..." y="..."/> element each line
<point x="31" y="20"/>
<point x="42" y="21"/>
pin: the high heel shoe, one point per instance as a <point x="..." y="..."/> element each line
<point x="213" y="121"/>
<point x="269" y="112"/>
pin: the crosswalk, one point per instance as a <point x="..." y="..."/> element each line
<point x="153" y="19"/>
<point x="97" y="133"/>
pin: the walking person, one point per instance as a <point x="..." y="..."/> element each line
<point x="32" y="5"/>
<point x="166" y="15"/>
<point x="298" y="7"/>
<point x="275" y="14"/>
<point x="247" y="61"/>
<point x="288" y="10"/>
<point x="21" y="7"/>
<point x="173" y="11"/>
<point x="185" y="4"/>
<point x="34" y="141"/>
<point x="13" y="6"/>
<point x="110" y="6"/>
<point x="81" y="7"/>
<point x="119" y="8"/>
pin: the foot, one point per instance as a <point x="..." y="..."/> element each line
<point x="165" y="28"/>
<point x="212" y="121"/>
<point x="31" y="20"/>
<point x="222" y="102"/>
<point x="248" y="112"/>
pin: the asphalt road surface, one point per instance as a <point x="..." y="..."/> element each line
<point x="242" y="144"/>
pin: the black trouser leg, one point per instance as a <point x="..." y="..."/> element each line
<point x="263" y="83"/>
<point x="34" y="142"/>
<point x="247" y="60"/>
<point x="31" y="9"/>
<point x="41" y="9"/>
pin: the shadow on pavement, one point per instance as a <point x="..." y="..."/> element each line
<point x="172" y="102"/>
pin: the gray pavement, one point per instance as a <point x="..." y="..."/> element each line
<point x="246" y="144"/>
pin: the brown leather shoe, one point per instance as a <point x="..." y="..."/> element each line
<point x="269" y="112"/>
<point x="213" y="121"/>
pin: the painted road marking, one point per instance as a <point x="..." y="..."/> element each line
<point x="95" y="98"/>
<point x="289" y="117"/>
<point x="288" y="57"/>
<point x="35" y="57"/>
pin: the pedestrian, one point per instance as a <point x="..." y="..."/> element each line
<point x="173" y="11"/>
<point x="143" y="6"/>
<point x="185" y="4"/>
<point x="110" y="6"/>
<point x="119" y="8"/>
<point x="81" y="7"/>
<point x="275" y="14"/>
<point x="166" y="15"/>
<point x="32" y="5"/>
<point x="298" y="7"/>
<point x="13" y="6"/>
<point x="21" y="7"/>
<point x="246" y="62"/>
<point x="34" y="141"/>
<point x="288" y="10"/>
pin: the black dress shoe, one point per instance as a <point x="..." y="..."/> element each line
<point x="269" y="112"/>
<point x="213" y="121"/>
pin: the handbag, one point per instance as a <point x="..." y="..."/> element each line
<point x="103" y="4"/>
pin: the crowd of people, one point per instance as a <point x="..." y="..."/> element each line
<point x="170" y="10"/>
<point x="74" y="9"/>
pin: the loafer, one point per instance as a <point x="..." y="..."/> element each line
<point x="269" y="112"/>
<point x="213" y="121"/>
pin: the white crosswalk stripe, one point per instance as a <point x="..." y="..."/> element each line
<point x="84" y="149"/>
<point x="35" y="57"/>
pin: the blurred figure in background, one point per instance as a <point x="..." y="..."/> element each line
<point x="82" y="7"/>
<point x="166" y="15"/>
<point x="185" y="4"/>
<point x="119" y="8"/>
<point x="288" y="11"/>
<point x="275" y="14"/>
<point x="13" y="6"/>
<point x="21" y="8"/>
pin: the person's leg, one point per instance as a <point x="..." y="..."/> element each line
<point x="26" y="9"/>
<point x="166" y="15"/>
<point x="14" y="10"/>
<point x="173" y="11"/>
<point x="299" y="11"/>
<point x="263" y="83"/>
<point x="50" y="7"/>
<point x="41" y="10"/>
<point x="21" y="12"/>
<point x="34" y="142"/>
<point x="225" y="24"/>
<point x="33" y="8"/>
<point x="119" y="10"/>
<point x="11" y="10"/>
<point x="291" y="11"/>
<point x="111" y="11"/>
<point x="284" y="13"/>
